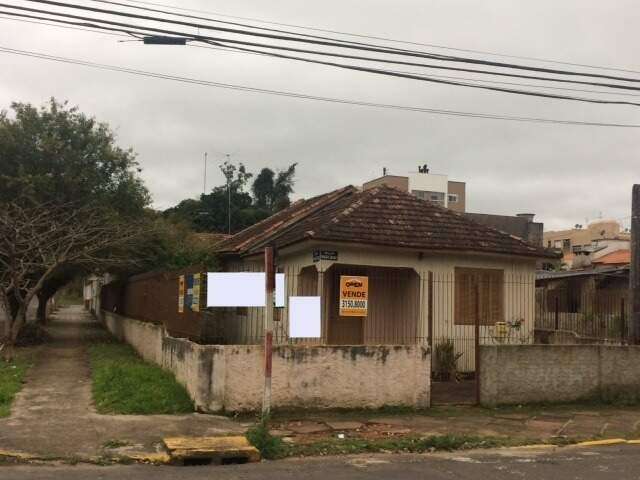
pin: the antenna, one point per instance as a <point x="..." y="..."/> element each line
<point x="204" y="183"/>
<point x="229" y="193"/>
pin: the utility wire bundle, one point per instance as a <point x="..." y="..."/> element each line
<point x="332" y="51"/>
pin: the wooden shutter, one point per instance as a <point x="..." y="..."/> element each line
<point x="490" y="283"/>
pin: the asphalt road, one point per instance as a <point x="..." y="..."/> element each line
<point x="619" y="462"/>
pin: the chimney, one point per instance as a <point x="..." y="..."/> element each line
<point x="528" y="216"/>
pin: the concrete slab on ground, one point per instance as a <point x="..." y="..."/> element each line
<point x="54" y="416"/>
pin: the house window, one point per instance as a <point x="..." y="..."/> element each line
<point x="557" y="244"/>
<point x="576" y="248"/>
<point x="436" y="197"/>
<point x="453" y="198"/>
<point x="566" y="244"/>
<point x="489" y="284"/>
<point x="549" y="243"/>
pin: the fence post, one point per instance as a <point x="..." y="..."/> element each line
<point x="270" y="285"/>
<point x="477" y="341"/>
<point x="557" y="313"/>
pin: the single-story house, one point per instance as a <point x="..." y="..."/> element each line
<point x="426" y="266"/>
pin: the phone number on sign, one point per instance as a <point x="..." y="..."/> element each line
<point x="353" y="304"/>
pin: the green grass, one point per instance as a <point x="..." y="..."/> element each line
<point x="409" y="444"/>
<point x="274" y="448"/>
<point x="11" y="376"/>
<point x="125" y="384"/>
<point x="270" y="447"/>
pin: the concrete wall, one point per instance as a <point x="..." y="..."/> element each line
<point x="511" y="374"/>
<point x="230" y="377"/>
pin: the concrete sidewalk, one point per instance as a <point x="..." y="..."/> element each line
<point x="558" y="424"/>
<point x="53" y="415"/>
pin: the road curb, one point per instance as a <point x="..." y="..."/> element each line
<point x="605" y="442"/>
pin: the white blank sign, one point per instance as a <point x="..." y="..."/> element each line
<point x="304" y="317"/>
<point x="241" y="289"/>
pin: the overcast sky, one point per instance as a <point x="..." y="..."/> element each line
<point x="565" y="174"/>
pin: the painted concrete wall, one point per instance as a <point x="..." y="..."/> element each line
<point x="230" y="377"/>
<point x="514" y="374"/>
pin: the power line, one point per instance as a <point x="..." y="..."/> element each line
<point x="243" y="88"/>
<point x="491" y="82"/>
<point x="333" y="43"/>
<point x="386" y="39"/>
<point x="231" y="50"/>
<point x="129" y="28"/>
<point x="102" y="32"/>
<point x="425" y="78"/>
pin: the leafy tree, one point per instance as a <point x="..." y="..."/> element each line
<point x="39" y="241"/>
<point x="52" y="157"/>
<point x="57" y="154"/>
<point x="210" y="213"/>
<point x="270" y="191"/>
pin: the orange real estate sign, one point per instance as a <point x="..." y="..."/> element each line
<point x="354" y="296"/>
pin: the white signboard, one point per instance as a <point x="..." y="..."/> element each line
<point x="304" y="317"/>
<point x="241" y="289"/>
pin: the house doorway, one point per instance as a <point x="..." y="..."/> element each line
<point x="393" y="307"/>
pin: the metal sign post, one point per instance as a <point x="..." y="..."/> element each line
<point x="270" y="286"/>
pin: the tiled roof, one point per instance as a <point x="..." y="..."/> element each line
<point x="382" y="216"/>
<point x="211" y="238"/>
<point x="619" y="257"/>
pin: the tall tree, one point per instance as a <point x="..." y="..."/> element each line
<point x="40" y="240"/>
<point x="55" y="155"/>
<point x="271" y="191"/>
<point x="211" y="212"/>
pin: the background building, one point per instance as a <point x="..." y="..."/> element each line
<point x="427" y="186"/>
<point x="452" y="194"/>
<point x="597" y="239"/>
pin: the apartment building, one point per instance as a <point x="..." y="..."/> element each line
<point x="436" y="188"/>
<point x="598" y="238"/>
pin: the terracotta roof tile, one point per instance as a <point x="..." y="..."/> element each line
<point x="382" y="216"/>
<point x="619" y="257"/>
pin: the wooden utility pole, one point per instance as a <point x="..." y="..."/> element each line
<point x="270" y="286"/>
<point x="634" y="274"/>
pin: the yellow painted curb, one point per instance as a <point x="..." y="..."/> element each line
<point x="150" y="457"/>
<point x="17" y="455"/>
<point x="534" y="446"/>
<point x="596" y="443"/>
<point x="633" y="442"/>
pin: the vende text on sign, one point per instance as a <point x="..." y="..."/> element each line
<point x="354" y="296"/>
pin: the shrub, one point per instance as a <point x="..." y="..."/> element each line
<point x="446" y="360"/>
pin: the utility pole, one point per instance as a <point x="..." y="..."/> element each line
<point x="634" y="274"/>
<point x="204" y="185"/>
<point x="270" y="286"/>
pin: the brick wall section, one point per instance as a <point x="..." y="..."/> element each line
<point x="230" y="377"/>
<point x="518" y="374"/>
